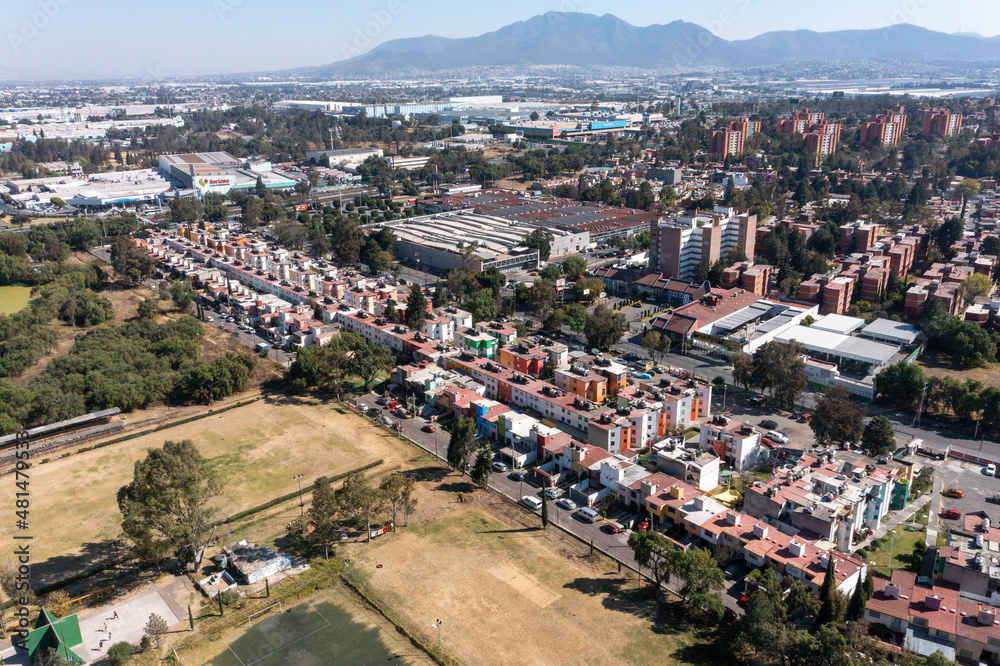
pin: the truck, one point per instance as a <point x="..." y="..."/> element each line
<point x="263" y="347"/>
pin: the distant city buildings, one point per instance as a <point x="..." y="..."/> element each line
<point x="884" y="129"/>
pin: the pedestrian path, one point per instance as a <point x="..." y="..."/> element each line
<point x="900" y="518"/>
<point x="932" y="521"/>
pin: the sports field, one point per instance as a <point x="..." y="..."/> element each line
<point x="329" y="629"/>
<point x="14" y="299"/>
<point x="509" y="593"/>
<point x="256" y="450"/>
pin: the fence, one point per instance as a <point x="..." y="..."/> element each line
<point x="970" y="456"/>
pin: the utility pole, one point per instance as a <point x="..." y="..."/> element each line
<point x="920" y="407"/>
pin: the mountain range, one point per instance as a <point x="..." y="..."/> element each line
<point x="585" y="40"/>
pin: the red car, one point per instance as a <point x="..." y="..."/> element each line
<point x="644" y="525"/>
<point x="611" y="528"/>
<point x="806" y="418"/>
<point x="951" y="514"/>
<point x="429" y="428"/>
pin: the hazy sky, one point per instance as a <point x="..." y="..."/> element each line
<point x="161" y="39"/>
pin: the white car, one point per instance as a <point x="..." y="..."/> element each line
<point x="991" y="470"/>
<point x="500" y="467"/>
<point x="566" y="503"/>
<point x="209" y="318"/>
<point x="552" y="493"/>
<point x="776" y="436"/>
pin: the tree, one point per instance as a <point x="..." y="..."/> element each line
<point x="57" y="202"/>
<point x="538" y="299"/>
<point x="324" y="514"/>
<point x="575" y="266"/>
<point x="149" y="308"/>
<point x="763" y="628"/>
<point x="653" y="552"/>
<point x="900" y="384"/>
<point x="967" y="189"/>
<point x="120" y="653"/>
<point x="545" y="510"/>
<point x="164" y="508"/>
<point x="398" y="491"/>
<point x="605" y="328"/>
<point x="369" y="359"/>
<point x="259" y="188"/>
<point x="879" y="437"/>
<point x="483" y="467"/>
<point x="701" y="578"/>
<point x="360" y="501"/>
<point x="550" y="273"/>
<point x="991" y="245"/>
<point x="483" y="305"/>
<point x="416" y="308"/>
<point x="588" y="290"/>
<point x="155" y="627"/>
<point x="575" y="315"/>
<point x="541" y="240"/>
<point x="977" y="284"/>
<point x="462" y="442"/>
<point x="837" y="418"/>
<point x="652" y="342"/>
<point x="183" y="294"/>
<point x="856" y="608"/>
<point x="827" y="593"/>
<point x="130" y="263"/>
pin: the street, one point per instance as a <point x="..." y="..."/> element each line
<point x="250" y="339"/>
<point x="614" y="545"/>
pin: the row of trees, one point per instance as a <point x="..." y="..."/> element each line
<point x="327" y="367"/>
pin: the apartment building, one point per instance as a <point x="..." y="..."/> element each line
<point x="942" y="122"/>
<point x="737" y="444"/>
<point x="883" y="129"/>
<point x="755" y="278"/>
<point x="731" y="139"/>
<point x="679" y="245"/>
<point x="583" y="382"/>
<point x="821" y="138"/>
<point x="935" y="618"/>
<point x="699" y="468"/>
<point x="800" y="122"/>
<point x="832" y="498"/>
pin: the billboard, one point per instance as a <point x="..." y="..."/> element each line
<point x="214" y="183"/>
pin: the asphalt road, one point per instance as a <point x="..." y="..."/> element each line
<point x="250" y="339"/>
<point x="614" y="545"/>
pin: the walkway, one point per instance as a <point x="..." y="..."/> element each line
<point x="932" y="520"/>
<point x="900" y="518"/>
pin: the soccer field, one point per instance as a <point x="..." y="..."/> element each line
<point x="319" y="633"/>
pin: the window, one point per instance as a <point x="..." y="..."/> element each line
<point x="874" y="614"/>
<point x="993" y="641"/>
<point x="965" y="654"/>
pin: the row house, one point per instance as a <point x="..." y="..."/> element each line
<point x="438" y="328"/>
<point x="935" y="618"/>
<point x="619" y="476"/>
<point x="580" y="381"/>
<point x="699" y="468"/>
<point x="834" y="499"/>
<point x="475" y="342"/>
<point x="793" y="555"/>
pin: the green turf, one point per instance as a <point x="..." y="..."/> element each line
<point x="306" y="636"/>
<point x="14" y="299"/>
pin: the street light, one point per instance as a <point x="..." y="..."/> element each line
<point x="302" y="506"/>
<point x="437" y="625"/>
<point x="892" y="541"/>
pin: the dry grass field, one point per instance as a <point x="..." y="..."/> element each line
<point x="256" y="450"/>
<point x="509" y="593"/>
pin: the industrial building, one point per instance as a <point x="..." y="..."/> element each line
<point x="346" y="157"/>
<point x="220" y="172"/>
<point x="95" y="192"/>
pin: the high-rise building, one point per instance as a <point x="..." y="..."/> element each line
<point x="883" y="129"/>
<point x="822" y="138"/>
<point x="732" y="139"/>
<point x="801" y="122"/>
<point x="942" y="122"/>
<point x="677" y="246"/>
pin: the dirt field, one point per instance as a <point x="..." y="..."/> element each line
<point x="507" y="593"/>
<point x="936" y="367"/>
<point x="257" y="450"/>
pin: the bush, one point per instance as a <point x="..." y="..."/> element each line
<point x="875" y="544"/>
<point x="120" y="653"/>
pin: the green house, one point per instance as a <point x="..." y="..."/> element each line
<point x="52" y="633"/>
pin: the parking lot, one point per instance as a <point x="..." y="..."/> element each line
<point x="975" y="485"/>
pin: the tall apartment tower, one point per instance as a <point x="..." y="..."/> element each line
<point x="731" y="140"/>
<point x="883" y="129"/>
<point x="942" y="122"/>
<point x="677" y="246"/>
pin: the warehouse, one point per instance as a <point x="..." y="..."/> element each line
<point x="437" y="241"/>
<point x="220" y="172"/>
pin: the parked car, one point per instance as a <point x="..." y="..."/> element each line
<point x="953" y="492"/>
<point x="643" y="375"/>
<point x="769" y="424"/>
<point x="381" y="400"/>
<point x="566" y="503"/>
<point x="643" y="526"/>
<point x="611" y="527"/>
<point x="991" y="470"/>
<point x="429" y="428"/>
<point x="209" y="318"/>
<point x="951" y="514"/>
<point x="805" y="418"/>
<point x="552" y="493"/>
<point x="532" y="503"/>
<point x="500" y="467"/>
<point x="758" y="401"/>
<point x="778" y="436"/>
<point x="516" y="476"/>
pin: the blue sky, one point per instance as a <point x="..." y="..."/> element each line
<point x="160" y="38"/>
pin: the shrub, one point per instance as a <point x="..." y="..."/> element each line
<point x="120" y="653"/>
